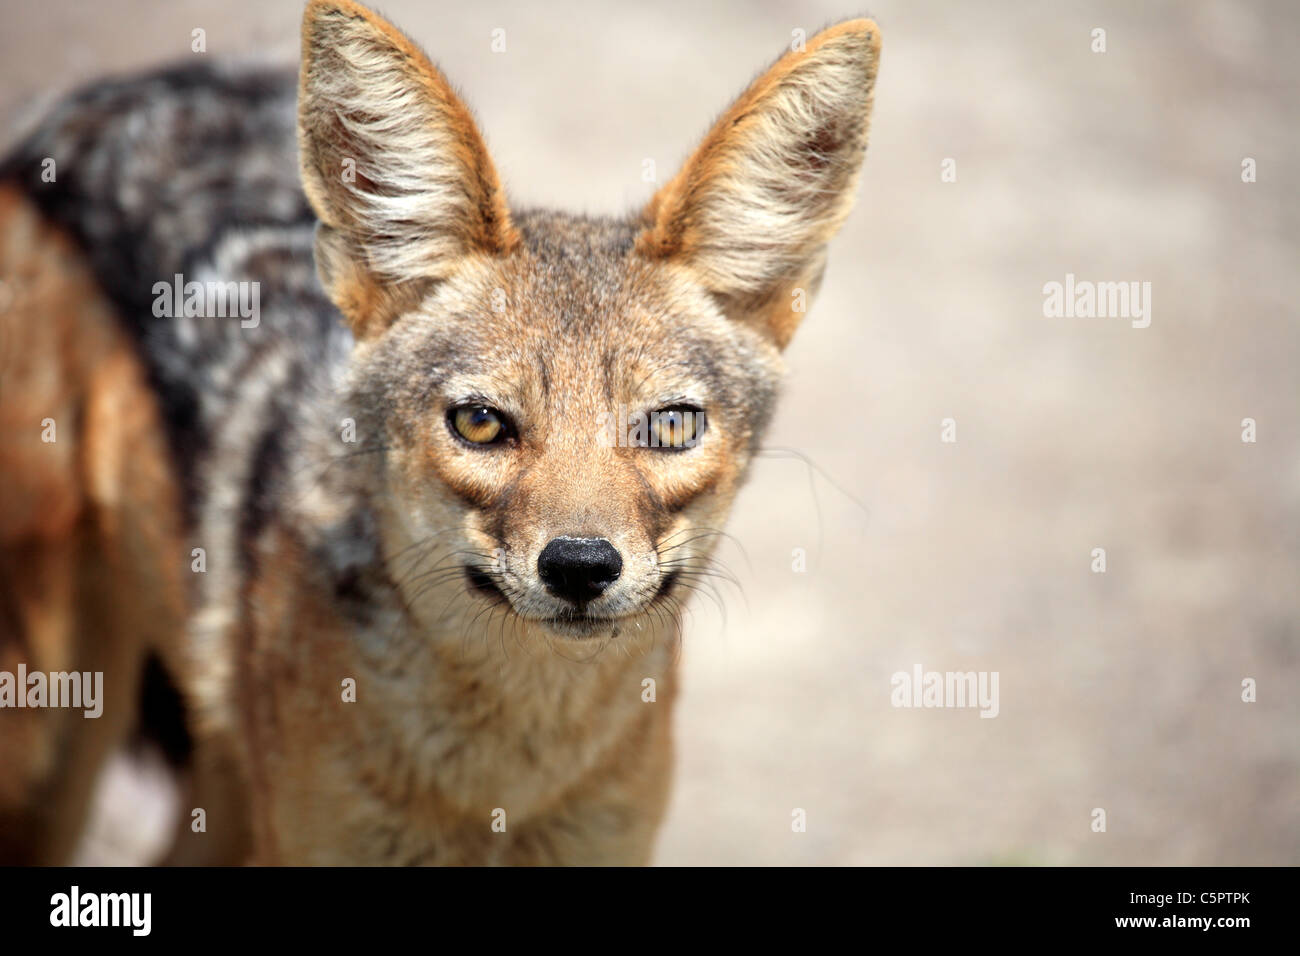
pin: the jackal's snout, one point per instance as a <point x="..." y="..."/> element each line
<point x="579" y="569"/>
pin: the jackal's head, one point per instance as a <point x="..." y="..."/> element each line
<point x="568" y="405"/>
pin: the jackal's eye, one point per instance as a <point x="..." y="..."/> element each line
<point x="477" y="424"/>
<point x="676" y="428"/>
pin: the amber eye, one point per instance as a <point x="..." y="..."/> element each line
<point x="477" y="424"/>
<point x="676" y="428"/>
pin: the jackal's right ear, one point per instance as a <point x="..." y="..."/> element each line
<point x="750" y="213"/>
<point x="393" y="165"/>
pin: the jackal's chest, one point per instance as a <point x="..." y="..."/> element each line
<point x="509" y="732"/>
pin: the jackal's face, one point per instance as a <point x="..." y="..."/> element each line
<point x="568" y="405"/>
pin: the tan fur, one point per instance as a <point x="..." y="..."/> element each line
<point x="336" y="783"/>
<point x="89" y="557"/>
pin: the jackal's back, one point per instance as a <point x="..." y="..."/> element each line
<point x="187" y="171"/>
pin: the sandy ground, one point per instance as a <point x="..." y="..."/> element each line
<point x="1119" y="691"/>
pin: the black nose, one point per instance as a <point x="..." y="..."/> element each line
<point x="579" y="569"/>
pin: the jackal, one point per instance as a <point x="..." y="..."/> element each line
<point x="410" y="588"/>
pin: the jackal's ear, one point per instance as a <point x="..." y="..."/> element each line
<point x="751" y="211"/>
<point x="392" y="164"/>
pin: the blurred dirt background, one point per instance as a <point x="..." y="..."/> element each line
<point x="1119" y="690"/>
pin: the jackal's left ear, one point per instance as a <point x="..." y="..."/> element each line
<point x="750" y="213"/>
<point x="392" y="164"/>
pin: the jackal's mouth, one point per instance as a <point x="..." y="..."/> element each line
<point x="480" y="582"/>
<point x="665" y="589"/>
<point x="575" y="621"/>
<point x="579" y="624"/>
